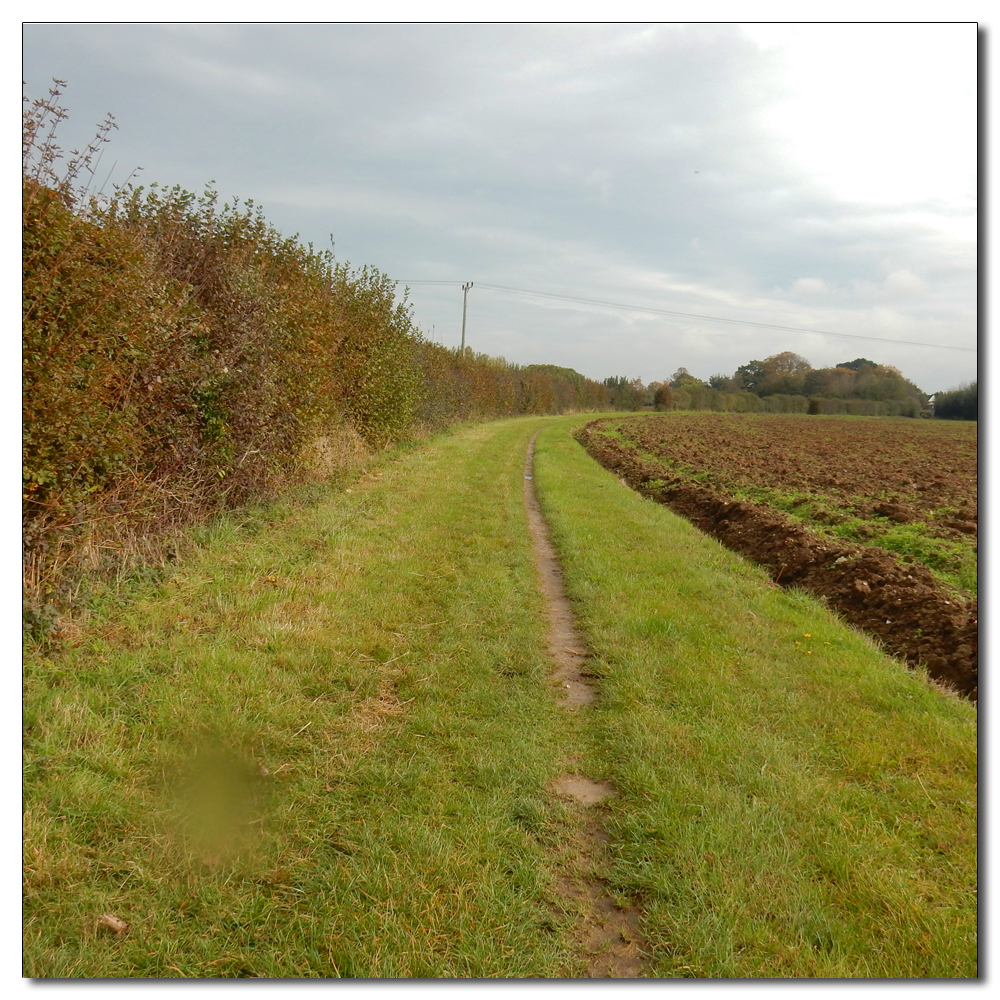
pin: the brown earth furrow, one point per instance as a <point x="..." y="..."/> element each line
<point x="607" y="935"/>
<point x="901" y="604"/>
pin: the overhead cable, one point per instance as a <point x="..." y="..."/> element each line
<point x="687" y="315"/>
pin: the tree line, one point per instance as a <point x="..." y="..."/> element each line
<point x="182" y="357"/>
<point x="787" y="383"/>
<point x="960" y="404"/>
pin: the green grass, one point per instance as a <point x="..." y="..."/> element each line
<point x="381" y="655"/>
<point x="954" y="561"/>
<point x="791" y="804"/>
<point x="794" y="804"/>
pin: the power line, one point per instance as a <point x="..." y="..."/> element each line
<point x="720" y="319"/>
<point x="687" y="315"/>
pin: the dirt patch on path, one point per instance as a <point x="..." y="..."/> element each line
<point x="607" y="935"/>
<point x="901" y="604"/>
<point x="566" y="645"/>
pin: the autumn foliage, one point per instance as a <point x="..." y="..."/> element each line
<point x="181" y="357"/>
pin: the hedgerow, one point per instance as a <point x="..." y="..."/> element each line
<point x="181" y="358"/>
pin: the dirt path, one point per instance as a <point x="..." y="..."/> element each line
<point x="606" y="935"/>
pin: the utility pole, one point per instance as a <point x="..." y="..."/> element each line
<point x="465" y="306"/>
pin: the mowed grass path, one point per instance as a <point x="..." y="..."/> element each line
<point x="380" y="655"/>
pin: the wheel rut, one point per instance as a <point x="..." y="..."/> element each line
<point x="607" y="936"/>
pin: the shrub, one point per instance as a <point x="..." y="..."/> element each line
<point x="960" y="404"/>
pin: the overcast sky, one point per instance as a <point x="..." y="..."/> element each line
<point x="813" y="176"/>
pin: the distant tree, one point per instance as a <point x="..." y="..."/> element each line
<point x="682" y="377"/>
<point x="750" y="376"/>
<point x="625" y="393"/>
<point x="571" y="376"/>
<point x="662" y="397"/>
<point x="959" y="404"/>
<point x="790" y="374"/>
<point x="639" y="394"/>
<point x="830" y="383"/>
<point x="857" y="364"/>
<point x="885" y="382"/>
<point x="785" y="374"/>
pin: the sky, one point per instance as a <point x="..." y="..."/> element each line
<point x="815" y="176"/>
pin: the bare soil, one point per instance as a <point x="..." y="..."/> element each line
<point x="607" y="934"/>
<point x="901" y="603"/>
<point x="903" y="470"/>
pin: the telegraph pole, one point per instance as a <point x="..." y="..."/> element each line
<point x="465" y="306"/>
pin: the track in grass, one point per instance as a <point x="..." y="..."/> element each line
<point x="791" y="803"/>
<point x="606" y="932"/>
<point x="382" y="656"/>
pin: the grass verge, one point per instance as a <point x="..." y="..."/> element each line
<point x="792" y="802"/>
<point x="318" y="750"/>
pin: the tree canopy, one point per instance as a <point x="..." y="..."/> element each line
<point x="790" y="374"/>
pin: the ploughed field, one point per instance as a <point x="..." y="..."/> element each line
<point x="877" y="516"/>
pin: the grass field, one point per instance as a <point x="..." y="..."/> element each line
<point x="321" y="749"/>
<point x="380" y="655"/>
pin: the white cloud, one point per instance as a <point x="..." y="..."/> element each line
<point x="902" y="284"/>
<point x="882" y="113"/>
